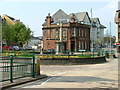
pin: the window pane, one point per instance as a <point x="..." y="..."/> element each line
<point x="57" y="32"/>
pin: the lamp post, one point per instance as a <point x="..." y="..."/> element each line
<point x="92" y="38"/>
<point x="110" y="38"/>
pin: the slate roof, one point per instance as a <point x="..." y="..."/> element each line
<point x="60" y="15"/>
<point x="95" y="20"/>
<point x="80" y="16"/>
<point x="10" y="17"/>
<point x="102" y="26"/>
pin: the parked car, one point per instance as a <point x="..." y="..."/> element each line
<point x="16" y="48"/>
<point x="10" y="48"/>
<point x="49" y="51"/>
<point x="29" y="48"/>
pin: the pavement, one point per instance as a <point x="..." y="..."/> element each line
<point x="8" y="84"/>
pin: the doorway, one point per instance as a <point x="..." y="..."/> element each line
<point x="72" y="46"/>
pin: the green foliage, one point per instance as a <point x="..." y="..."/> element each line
<point x="6" y="32"/>
<point x="17" y="34"/>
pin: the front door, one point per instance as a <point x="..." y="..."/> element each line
<point x="72" y="46"/>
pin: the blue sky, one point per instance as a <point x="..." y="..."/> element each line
<point x="33" y="14"/>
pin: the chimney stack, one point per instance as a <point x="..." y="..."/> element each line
<point x="73" y="18"/>
<point x="49" y="20"/>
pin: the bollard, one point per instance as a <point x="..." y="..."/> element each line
<point x="38" y="66"/>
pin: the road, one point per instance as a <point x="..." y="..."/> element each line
<point x="103" y="75"/>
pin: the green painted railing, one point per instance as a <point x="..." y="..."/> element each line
<point x="17" y="67"/>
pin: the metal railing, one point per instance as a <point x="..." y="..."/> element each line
<point x="78" y="54"/>
<point x="17" y="67"/>
<point x="65" y="54"/>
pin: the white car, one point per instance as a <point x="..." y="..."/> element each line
<point x="16" y="48"/>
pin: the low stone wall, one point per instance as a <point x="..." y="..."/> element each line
<point x="71" y="61"/>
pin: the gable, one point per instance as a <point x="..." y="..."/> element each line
<point x="86" y="19"/>
<point x="60" y="15"/>
<point x="98" y="21"/>
<point x="80" y="16"/>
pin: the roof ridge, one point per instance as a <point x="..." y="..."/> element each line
<point x="9" y="17"/>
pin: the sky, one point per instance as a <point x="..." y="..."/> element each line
<point x="33" y="12"/>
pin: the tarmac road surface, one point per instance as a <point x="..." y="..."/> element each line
<point x="104" y="75"/>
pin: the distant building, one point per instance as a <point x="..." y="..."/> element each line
<point x="119" y="5"/>
<point x="35" y="43"/>
<point x="10" y="20"/>
<point x="66" y="32"/>
<point x="96" y="31"/>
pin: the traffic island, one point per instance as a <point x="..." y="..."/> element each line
<point x="72" y="61"/>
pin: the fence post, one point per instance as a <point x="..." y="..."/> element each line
<point x="82" y="53"/>
<point x="33" y="69"/>
<point x="11" y="67"/>
<point x="93" y="53"/>
<point x="52" y="53"/>
<point x="14" y="53"/>
<point x="68" y="54"/>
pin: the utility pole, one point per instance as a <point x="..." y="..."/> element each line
<point x="90" y="33"/>
<point x="91" y="12"/>
<point x="110" y="38"/>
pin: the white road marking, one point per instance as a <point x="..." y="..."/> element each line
<point x="46" y="81"/>
<point x="38" y="85"/>
<point x="60" y="73"/>
<point x="55" y="74"/>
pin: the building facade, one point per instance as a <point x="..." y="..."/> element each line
<point x="96" y="33"/>
<point x="64" y="32"/>
<point x="117" y="21"/>
<point x="34" y="43"/>
<point x="0" y="35"/>
<point x="96" y="29"/>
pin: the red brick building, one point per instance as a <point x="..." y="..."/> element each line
<point x="64" y="32"/>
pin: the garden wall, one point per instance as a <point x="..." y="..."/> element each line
<point x="71" y="61"/>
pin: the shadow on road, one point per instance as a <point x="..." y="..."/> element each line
<point x="77" y="79"/>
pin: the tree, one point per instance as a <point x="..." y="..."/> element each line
<point x="17" y="34"/>
<point x="6" y="32"/>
